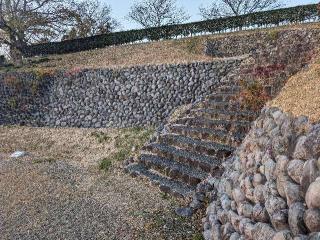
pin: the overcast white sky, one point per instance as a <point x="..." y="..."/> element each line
<point x="121" y="8"/>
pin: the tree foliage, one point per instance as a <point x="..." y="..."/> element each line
<point x="89" y="18"/>
<point x="24" y="22"/>
<point x="156" y="13"/>
<point x="258" y="19"/>
<point x="226" y="8"/>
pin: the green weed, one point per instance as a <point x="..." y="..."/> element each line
<point x="101" y="137"/>
<point x="105" y="164"/>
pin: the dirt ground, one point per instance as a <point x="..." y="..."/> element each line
<point x="58" y="191"/>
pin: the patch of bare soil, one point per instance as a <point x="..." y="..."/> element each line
<point x="58" y="191"/>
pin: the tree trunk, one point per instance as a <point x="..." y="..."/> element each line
<point x="16" y="56"/>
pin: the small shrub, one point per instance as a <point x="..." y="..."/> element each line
<point x="192" y="45"/>
<point x="42" y="73"/>
<point x="105" y="164"/>
<point x="101" y="137"/>
<point x="127" y="143"/>
<point x="252" y="95"/>
<point x="14" y="83"/>
<point x="197" y="236"/>
<point x="12" y="103"/>
<point x="273" y="35"/>
<point x="73" y="72"/>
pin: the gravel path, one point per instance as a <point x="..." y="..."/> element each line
<point x="60" y="199"/>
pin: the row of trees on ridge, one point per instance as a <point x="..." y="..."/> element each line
<point x="24" y="22"/>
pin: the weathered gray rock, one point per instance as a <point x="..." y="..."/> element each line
<point x="281" y="164"/>
<point x="309" y="174"/>
<point x="263" y="231"/>
<point x="259" y="194"/>
<point x="293" y="193"/>
<point x="184" y="212"/>
<point x="312" y="220"/>
<point x="312" y="143"/>
<point x="300" y="151"/>
<point x="279" y="220"/>
<point x="238" y="195"/>
<point x="295" y="170"/>
<point x="295" y="218"/>
<point x="275" y="196"/>
<point x="283" y="235"/>
<point x="260" y="214"/>
<point x="313" y="195"/>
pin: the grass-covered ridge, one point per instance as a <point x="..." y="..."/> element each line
<point x="153" y="53"/>
<point x="301" y="94"/>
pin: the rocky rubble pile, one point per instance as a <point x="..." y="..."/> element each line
<point x="270" y="189"/>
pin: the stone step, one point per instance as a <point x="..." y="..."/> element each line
<point x="220" y="97"/>
<point x="231" y="126"/>
<point x="219" y="136"/>
<point x="229" y="89"/>
<point x="224" y="114"/>
<point x="195" y="160"/>
<point x="165" y="184"/>
<point x="173" y="169"/>
<point x="209" y="104"/>
<point x="217" y="150"/>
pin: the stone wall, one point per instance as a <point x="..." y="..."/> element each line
<point x="274" y="55"/>
<point x="270" y="189"/>
<point x="140" y="95"/>
<point x="146" y="95"/>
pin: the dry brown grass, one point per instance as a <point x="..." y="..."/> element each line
<point x="60" y="179"/>
<point x="80" y="147"/>
<point x="170" y="51"/>
<point x="176" y="51"/>
<point x="301" y="94"/>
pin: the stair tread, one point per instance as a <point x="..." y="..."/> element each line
<point x="184" y="153"/>
<point x="226" y="112"/>
<point x="181" y="188"/>
<point x="174" y="165"/>
<point x="223" y="133"/>
<point x="192" y="141"/>
<point x="214" y="121"/>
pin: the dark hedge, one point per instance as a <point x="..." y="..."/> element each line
<point x="258" y="19"/>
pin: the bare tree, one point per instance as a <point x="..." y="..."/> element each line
<point x="34" y="21"/>
<point x="24" y="21"/>
<point x="226" y="8"/>
<point x="88" y="18"/>
<point x="156" y="13"/>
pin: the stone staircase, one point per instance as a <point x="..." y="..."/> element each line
<point x="194" y="145"/>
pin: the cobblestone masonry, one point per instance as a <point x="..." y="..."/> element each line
<point x="270" y="189"/>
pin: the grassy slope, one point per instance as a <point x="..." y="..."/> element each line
<point x="170" y="51"/>
<point x="301" y="94"/>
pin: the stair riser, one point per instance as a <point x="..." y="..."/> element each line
<point x="173" y="173"/>
<point x="221" y="98"/>
<point x="230" y="127"/>
<point x="218" y="153"/>
<point x="206" y="167"/>
<point x="218" y="116"/>
<point x="162" y="188"/>
<point x="203" y="136"/>
<point x="215" y="105"/>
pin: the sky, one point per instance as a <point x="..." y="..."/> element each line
<point x="120" y="9"/>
